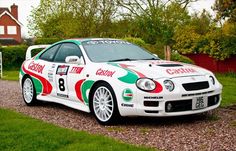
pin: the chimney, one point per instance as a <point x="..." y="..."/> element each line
<point x="14" y="11"/>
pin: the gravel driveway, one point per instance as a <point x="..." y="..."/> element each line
<point x="212" y="131"/>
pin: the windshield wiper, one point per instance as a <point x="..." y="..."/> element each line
<point x="151" y="59"/>
<point x="124" y="59"/>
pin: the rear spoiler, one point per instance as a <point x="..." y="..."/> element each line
<point x="28" y="51"/>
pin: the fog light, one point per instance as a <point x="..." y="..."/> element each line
<point x="169" y="107"/>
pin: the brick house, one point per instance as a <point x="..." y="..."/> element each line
<point x="10" y="27"/>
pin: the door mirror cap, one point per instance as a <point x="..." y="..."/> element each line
<point x="74" y="60"/>
<point x="155" y="55"/>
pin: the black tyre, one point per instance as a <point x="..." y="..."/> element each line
<point x="28" y="92"/>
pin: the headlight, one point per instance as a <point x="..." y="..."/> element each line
<point x="146" y="84"/>
<point x="212" y="80"/>
<point x="169" y="85"/>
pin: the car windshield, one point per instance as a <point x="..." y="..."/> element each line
<point x="115" y="50"/>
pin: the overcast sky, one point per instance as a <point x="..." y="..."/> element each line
<point x="25" y="6"/>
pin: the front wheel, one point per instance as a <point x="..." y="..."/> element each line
<point x="104" y="104"/>
<point x="29" y="93"/>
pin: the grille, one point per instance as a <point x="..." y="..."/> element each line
<point x="179" y="105"/>
<point x="196" y="86"/>
<point x="149" y="111"/>
<point x="151" y="103"/>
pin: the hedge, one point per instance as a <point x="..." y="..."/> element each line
<point x="39" y="41"/>
<point x="13" y="56"/>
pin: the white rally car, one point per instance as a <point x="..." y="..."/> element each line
<point x="113" y="78"/>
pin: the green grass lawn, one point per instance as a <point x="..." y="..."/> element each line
<point x="227" y="80"/>
<point x="18" y="132"/>
<point x="229" y="87"/>
<point x="11" y="75"/>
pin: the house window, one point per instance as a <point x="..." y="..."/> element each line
<point x="11" y="30"/>
<point x="2" y="30"/>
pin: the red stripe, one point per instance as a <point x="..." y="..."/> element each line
<point x="78" y="89"/>
<point x="47" y="87"/>
<point x="129" y="94"/>
<point x="127" y="67"/>
<point x="158" y="89"/>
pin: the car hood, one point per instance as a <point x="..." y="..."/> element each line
<point x="161" y="68"/>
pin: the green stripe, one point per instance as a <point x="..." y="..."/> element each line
<point x="38" y="85"/>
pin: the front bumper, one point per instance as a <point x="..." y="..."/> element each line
<point x="179" y="105"/>
<point x="176" y="103"/>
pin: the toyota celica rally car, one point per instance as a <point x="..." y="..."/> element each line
<point x="112" y="78"/>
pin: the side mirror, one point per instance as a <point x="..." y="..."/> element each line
<point x="74" y="60"/>
<point x="155" y="55"/>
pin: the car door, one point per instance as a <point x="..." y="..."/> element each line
<point x="65" y="75"/>
<point x="46" y="59"/>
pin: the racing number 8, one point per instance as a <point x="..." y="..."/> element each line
<point x="61" y="84"/>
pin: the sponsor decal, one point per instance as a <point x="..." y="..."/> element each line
<point x="62" y="70"/>
<point x="127" y="95"/>
<point x="127" y="105"/>
<point x="50" y="76"/>
<point x="95" y="42"/>
<point x="153" y="97"/>
<point x="36" y="67"/>
<point x="106" y="73"/>
<point x="76" y="70"/>
<point x="62" y="95"/>
<point x="50" y="73"/>
<point x="53" y="66"/>
<point x="180" y="71"/>
<point x="42" y="84"/>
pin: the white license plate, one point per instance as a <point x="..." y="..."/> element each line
<point x="199" y="102"/>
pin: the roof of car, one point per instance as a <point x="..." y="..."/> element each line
<point x="80" y="40"/>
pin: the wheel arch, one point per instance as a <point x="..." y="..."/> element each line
<point x="23" y="78"/>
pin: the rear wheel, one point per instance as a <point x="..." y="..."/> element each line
<point x="104" y="104"/>
<point x="29" y="93"/>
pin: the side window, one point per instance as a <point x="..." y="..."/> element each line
<point x="67" y="49"/>
<point x="49" y="54"/>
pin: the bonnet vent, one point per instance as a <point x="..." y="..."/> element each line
<point x="170" y="65"/>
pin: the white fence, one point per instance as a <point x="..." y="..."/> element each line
<point x="1" y="65"/>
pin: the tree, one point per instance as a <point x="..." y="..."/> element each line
<point x="225" y="9"/>
<point x="69" y="18"/>
<point x="156" y="19"/>
<point x="47" y="19"/>
<point x="202" y="35"/>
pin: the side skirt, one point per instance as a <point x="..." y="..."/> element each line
<point x="71" y="104"/>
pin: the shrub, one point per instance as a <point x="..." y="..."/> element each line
<point x="137" y="41"/>
<point x="151" y="48"/>
<point x="13" y="56"/>
<point x="155" y="50"/>
<point x="180" y="58"/>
